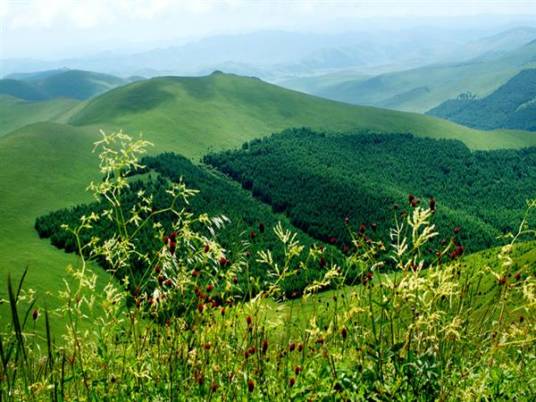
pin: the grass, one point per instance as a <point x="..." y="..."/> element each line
<point x="194" y="115"/>
<point x="49" y="167"/>
<point x="46" y="166"/>
<point x="297" y="313"/>
<point x="16" y="113"/>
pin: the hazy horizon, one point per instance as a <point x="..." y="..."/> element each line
<point x="59" y="29"/>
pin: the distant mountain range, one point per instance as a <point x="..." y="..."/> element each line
<point x="280" y="55"/>
<point x="495" y="60"/>
<point x="513" y="105"/>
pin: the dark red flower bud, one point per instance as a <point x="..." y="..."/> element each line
<point x="261" y="227"/>
<point x="300" y="347"/>
<point x="322" y="262"/>
<point x="252" y="234"/>
<point x="165" y="240"/>
<point x="332" y="240"/>
<point x="291" y="382"/>
<point x="173" y="236"/>
<point x="264" y="345"/>
<point x="168" y="282"/>
<point x="195" y="273"/>
<point x="517" y="276"/>
<point x="222" y="311"/>
<point x="200" y="307"/>
<point x="210" y="287"/>
<point x="298" y="370"/>
<point x="249" y="320"/>
<point x="207" y="346"/>
<point x="235" y="280"/>
<point x="362" y="229"/>
<point x="214" y="387"/>
<point x="457" y="229"/>
<point x="224" y="261"/>
<point x="344" y="333"/>
<point x="207" y="248"/>
<point x="291" y="346"/>
<point x="251" y="385"/>
<point x="35" y="314"/>
<point x="157" y="269"/>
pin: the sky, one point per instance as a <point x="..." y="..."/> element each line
<point x="49" y="29"/>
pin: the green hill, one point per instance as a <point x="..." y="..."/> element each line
<point x="403" y="90"/>
<point x="76" y="84"/>
<point x="16" y="113"/>
<point x="193" y="115"/>
<point x="46" y="166"/>
<point x="21" y="89"/>
<point x="513" y="105"/>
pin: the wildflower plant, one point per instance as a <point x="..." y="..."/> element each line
<point x="174" y="323"/>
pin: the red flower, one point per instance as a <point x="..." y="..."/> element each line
<point x="207" y="248"/>
<point x="264" y="345"/>
<point x="411" y="198"/>
<point x="298" y="370"/>
<point x="291" y="382"/>
<point x="173" y="236"/>
<point x="195" y="273"/>
<point x="252" y="234"/>
<point x="291" y="346"/>
<point x="300" y="347"/>
<point x="210" y="287"/>
<point x="35" y="314"/>
<point x="457" y="252"/>
<point x="362" y="229"/>
<point x="249" y="320"/>
<point x="224" y="261"/>
<point x="251" y="385"/>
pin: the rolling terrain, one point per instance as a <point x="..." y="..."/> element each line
<point x="50" y="164"/>
<point x="75" y="84"/>
<point x="513" y="105"/>
<point x="423" y="88"/>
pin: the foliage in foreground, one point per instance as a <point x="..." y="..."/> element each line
<point x="441" y="333"/>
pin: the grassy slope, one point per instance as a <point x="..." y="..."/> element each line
<point x="480" y="76"/>
<point x="76" y="84"/>
<point x="191" y="115"/>
<point x="297" y="313"/>
<point x="16" y="113"/>
<point x="51" y="164"/>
